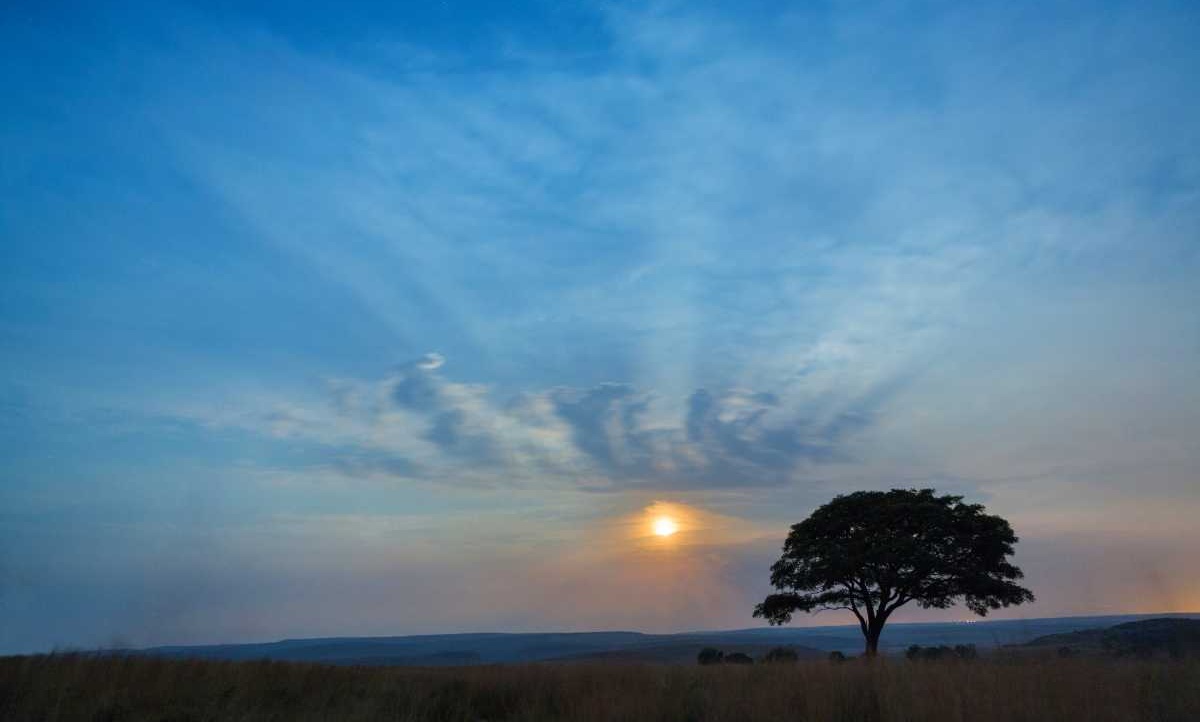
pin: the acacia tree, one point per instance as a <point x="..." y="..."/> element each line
<point x="872" y="552"/>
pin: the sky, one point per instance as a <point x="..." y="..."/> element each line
<point x="392" y="318"/>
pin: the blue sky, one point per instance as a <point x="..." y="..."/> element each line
<point x="404" y="318"/>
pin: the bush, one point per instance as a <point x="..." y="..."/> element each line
<point x="836" y="656"/>
<point x="781" y="654"/>
<point x="738" y="658"/>
<point x="708" y="655"/>
<point x="960" y="651"/>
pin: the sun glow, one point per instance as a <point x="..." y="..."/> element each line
<point x="665" y="526"/>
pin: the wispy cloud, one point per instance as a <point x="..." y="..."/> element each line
<point x="417" y="424"/>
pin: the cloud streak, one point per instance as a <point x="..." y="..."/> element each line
<point x="417" y="424"/>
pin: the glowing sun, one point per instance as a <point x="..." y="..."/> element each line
<point x="665" y="526"/>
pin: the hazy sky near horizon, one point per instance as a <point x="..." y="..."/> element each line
<point x="409" y="318"/>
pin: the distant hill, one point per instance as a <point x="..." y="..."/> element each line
<point x="467" y="649"/>
<point x="1147" y="637"/>
<point x="492" y="648"/>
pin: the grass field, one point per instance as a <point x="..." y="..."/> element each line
<point x="81" y="687"/>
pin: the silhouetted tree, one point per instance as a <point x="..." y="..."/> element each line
<point x="872" y="552"/>
<point x="781" y="654"/>
<point x="708" y="655"/>
<point x="738" y="658"/>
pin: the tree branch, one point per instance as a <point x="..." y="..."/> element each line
<point x="861" y="622"/>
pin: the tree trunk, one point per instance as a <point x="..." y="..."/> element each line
<point x="872" y="635"/>
<point x="872" y="646"/>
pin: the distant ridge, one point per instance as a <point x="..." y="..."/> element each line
<point x="502" y="647"/>
<point x="1158" y="635"/>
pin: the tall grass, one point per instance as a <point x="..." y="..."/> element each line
<point x="83" y="687"/>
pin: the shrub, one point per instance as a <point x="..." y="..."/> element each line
<point x="781" y="654"/>
<point x="942" y="651"/>
<point x="738" y="658"/>
<point x="708" y="655"/>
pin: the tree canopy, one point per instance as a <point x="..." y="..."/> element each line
<point x="872" y="552"/>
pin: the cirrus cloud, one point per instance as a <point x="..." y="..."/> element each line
<point x="416" y="423"/>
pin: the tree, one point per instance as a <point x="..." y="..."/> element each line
<point x="708" y="655"/>
<point x="872" y="552"/>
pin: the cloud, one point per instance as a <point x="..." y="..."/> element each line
<point x="431" y="361"/>
<point x="417" y="424"/>
<point x="414" y="387"/>
<point x="606" y="423"/>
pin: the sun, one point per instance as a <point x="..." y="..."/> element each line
<point x="665" y="526"/>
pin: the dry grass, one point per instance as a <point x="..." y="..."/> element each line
<point x="79" y="687"/>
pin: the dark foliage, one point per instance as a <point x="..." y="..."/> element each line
<point x="738" y="658"/>
<point x="781" y="655"/>
<point x="872" y="552"/>
<point x="959" y="651"/>
<point x="708" y="655"/>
